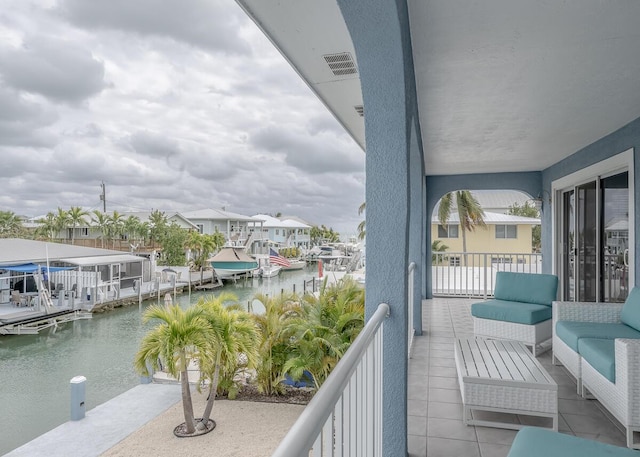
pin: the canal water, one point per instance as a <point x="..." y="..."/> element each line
<point x="35" y="370"/>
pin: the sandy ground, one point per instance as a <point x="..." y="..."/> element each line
<point x="244" y="429"/>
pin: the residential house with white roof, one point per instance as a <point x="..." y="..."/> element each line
<point x="504" y="234"/>
<point x="238" y="229"/>
<point x="285" y="232"/>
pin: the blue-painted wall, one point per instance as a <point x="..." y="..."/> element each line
<point x="619" y="141"/>
<point x="380" y="33"/>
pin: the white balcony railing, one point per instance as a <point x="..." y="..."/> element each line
<point x="412" y="330"/>
<point x="473" y="274"/>
<point x="344" y="418"/>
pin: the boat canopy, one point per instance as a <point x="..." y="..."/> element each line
<point x="230" y="254"/>
<point x="32" y="268"/>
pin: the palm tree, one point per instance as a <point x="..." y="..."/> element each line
<point x="362" y="226"/>
<point x="437" y="246"/>
<point x="233" y="333"/>
<point x="131" y="228"/>
<point x="102" y="223"/>
<point x="470" y="213"/>
<point x="176" y="340"/>
<point x="193" y="244"/>
<point x="61" y="220"/>
<point x="144" y="230"/>
<point x="158" y="225"/>
<point x="75" y="216"/>
<point x="47" y="227"/>
<point x="116" y="225"/>
<point x="201" y="246"/>
<point x="10" y="224"/>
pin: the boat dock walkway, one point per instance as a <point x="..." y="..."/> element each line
<point x="105" y="425"/>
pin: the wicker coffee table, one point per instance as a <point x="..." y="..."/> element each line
<point x="503" y="376"/>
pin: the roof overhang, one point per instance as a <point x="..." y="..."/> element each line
<point x="103" y="260"/>
<point x="502" y="86"/>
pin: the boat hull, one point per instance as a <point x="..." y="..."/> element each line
<point x="270" y="271"/>
<point x="295" y="265"/>
<point x="230" y="269"/>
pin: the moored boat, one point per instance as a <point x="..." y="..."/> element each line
<point x="233" y="261"/>
<point x="295" y="264"/>
<point x="269" y="271"/>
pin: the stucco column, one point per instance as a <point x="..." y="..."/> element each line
<point x="380" y="33"/>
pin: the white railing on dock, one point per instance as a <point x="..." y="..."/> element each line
<point x="412" y="330"/>
<point x="473" y="274"/>
<point x="344" y="418"/>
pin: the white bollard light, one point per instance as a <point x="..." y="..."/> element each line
<point x="78" y="390"/>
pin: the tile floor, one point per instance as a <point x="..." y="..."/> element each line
<point x="434" y="409"/>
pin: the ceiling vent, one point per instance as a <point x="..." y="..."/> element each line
<point x="341" y="64"/>
<point x="359" y="110"/>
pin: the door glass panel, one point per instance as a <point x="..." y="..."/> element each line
<point x="586" y="244"/>
<point x="568" y="246"/>
<point x="615" y="234"/>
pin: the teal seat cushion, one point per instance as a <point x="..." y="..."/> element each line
<point x="526" y="287"/>
<point x="631" y="310"/>
<point x="511" y="311"/>
<point x="601" y="355"/>
<point x="571" y="332"/>
<point x="539" y="442"/>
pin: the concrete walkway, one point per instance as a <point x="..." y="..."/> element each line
<point x="105" y="425"/>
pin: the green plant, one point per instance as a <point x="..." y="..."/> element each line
<point x="176" y="340"/>
<point x="528" y="210"/>
<point x="273" y="340"/>
<point x="438" y="246"/>
<point x="233" y="334"/>
<point x="470" y="213"/>
<point x="320" y="336"/>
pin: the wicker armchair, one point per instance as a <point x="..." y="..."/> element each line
<point x="579" y="312"/>
<point x="622" y="397"/>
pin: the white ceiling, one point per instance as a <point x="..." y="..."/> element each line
<point x="503" y="85"/>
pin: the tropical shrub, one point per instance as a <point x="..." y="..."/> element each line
<point x="274" y="343"/>
<point x="327" y="326"/>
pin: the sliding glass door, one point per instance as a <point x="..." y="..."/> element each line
<point x="595" y="239"/>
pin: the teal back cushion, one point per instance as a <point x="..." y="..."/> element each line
<point x="526" y="287"/>
<point x="631" y="310"/>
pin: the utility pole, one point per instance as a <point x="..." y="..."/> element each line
<point x="103" y="197"/>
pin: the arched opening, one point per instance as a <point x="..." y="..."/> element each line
<point x="476" y="233"/>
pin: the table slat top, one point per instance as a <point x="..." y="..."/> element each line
<point x="499" y="360"/>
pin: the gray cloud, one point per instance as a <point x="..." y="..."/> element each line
<point x="209" y="24"/>
<point x="191" y="118"/>
<point x="52" y="67"/>
<point x="310" y="153"/>
<point x="152" y="145"/>
<point x="22" y="122"/>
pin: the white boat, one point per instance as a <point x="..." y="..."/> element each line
<point x="295" y="264"/>
<point x="269" y="271"/>
<point x="233" y="261"/>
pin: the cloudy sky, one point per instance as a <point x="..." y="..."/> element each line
<point x="175" y="104"/>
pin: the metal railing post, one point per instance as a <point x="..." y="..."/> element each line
<point x="410" y="304"/>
